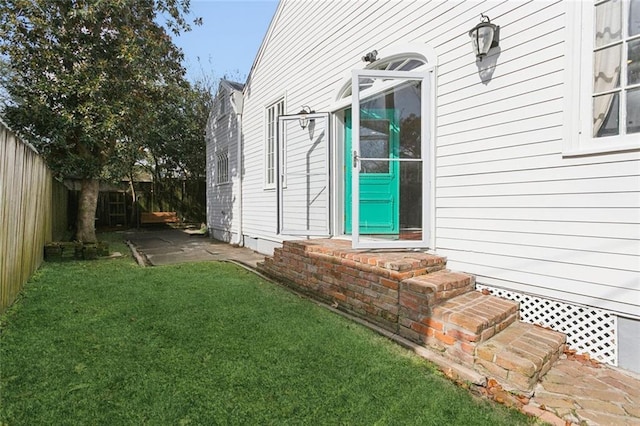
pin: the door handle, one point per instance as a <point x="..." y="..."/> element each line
<point x="355" y="159"/>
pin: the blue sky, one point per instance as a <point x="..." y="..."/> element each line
<point x="229" y="38"/>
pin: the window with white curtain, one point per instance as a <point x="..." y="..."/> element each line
<point x="602" y="109"/>
<point x="616" y="68"/>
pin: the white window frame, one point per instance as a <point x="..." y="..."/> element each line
<point x="271" y="114"/>
<point x="222" y="166"/>
<point x="578" y="137"/>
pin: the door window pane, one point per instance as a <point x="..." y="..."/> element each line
<point x="410" y="120"/>
<point x="411" y="199"/>
<point x="374" y="143"/>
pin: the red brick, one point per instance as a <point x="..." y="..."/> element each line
<point x="487" y="352"/>
<point x="473" y="323"/>
<point x="444" y="338"/>
<point x="409" y="300"/>
<point x="389" y="283"/>
<point x="349" y="263"/>
<point x="516" y="363"/>
<point x="506" y="323"/>
<point x="340" y="296"/>
<point x="487" y="334"/>
<point x="468" y="347"/>
<point x="493" y="369"/>
<point x="361" y="282"/>
<point x="399" y="276"/>
<point x="390" y="299"/>
<point x="430" y="322"/>
<point x="419" y="272"/>
<point x="462" y="336"/>
<point x="522" y="382"/>
<point x="460" y="356"/>
<point x="416" y="326"/>
<point x="416" y="286"/>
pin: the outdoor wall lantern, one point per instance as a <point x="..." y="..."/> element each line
<point x="484" y="36"/>
<point x="304" y="121"/>
<point x="370" y="57"/>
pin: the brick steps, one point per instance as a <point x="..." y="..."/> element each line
<point x="361" y="282"/>
<point x="483" y="332"/>
<point x="418" y="295"/>
<point x="458" y="325"/>
<point x="412" y="294"/>
<point x="520" y="355"/>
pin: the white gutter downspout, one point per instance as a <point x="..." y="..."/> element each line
<point x="237" y="101"/>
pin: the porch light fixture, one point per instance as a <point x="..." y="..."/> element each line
<point x="484" y="36"/>
<point x="370" y="57"/>
<point x="304" y="121"/>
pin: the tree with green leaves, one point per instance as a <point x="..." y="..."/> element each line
<point x="85" y="78"/>
<point x="175" y="148"/>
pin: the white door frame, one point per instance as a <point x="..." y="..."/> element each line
<point x="281" y="172"/>
<point x="427" y="107"/>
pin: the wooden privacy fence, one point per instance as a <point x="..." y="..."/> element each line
<point x="32" y="212"/>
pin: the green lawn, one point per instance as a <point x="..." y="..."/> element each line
<point x="107" y="342"/>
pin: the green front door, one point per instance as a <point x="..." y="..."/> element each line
<point x="379" y="177"/>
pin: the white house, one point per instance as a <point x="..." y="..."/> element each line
<point x="522" y="167"/>
<point x="223" y="173"/>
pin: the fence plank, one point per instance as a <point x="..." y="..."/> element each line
<point x="32" y="210"/>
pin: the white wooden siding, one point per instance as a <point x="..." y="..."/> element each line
<point x="305" y="194"/>
<point x="222" y="134"/>
<point x="509" y="208"/>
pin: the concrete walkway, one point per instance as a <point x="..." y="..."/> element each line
<point x="574" y="391"/>
<point x="166" y="246"/>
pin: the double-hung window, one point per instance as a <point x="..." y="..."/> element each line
<point x="610" y="89"/>
<point x="273" y="111"/>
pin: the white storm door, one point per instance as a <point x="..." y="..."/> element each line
<point x="304" y="201"/>
<point x="397" y="105"/>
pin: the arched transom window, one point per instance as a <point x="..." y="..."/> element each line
<point x="402" y="62"/>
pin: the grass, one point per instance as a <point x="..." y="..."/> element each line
<point x="108" y="342"/>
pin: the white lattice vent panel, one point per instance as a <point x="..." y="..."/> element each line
<point x="589" y="330"/>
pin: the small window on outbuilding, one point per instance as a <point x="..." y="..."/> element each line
<point x="222" y="104"/>
<point x="222" y="166"/>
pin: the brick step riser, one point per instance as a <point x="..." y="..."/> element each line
<point x="428" y="290"/>
<point x="457" y="326"/>
<point x="366" y="284"/>
<point x="520" y="355"/>
<point x="356" y="288"/>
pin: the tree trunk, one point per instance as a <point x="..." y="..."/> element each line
<point x="134" y="205"/>
<point x="86" y="225"/>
